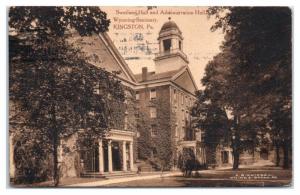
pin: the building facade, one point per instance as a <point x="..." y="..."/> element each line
<point x="156" y="115"/>
<point x="116" y="152"/>
<point x="166" y="95"/>
<point x="162" y="99"/>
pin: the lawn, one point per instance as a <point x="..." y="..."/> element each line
<point x="219" y="178"/>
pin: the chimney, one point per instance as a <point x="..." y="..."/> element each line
<point x="144" y="73"/>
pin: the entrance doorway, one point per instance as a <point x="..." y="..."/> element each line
<point x="224" y="156"/>
<point x="105" y="156"/>
<point x="264" y="153"/>
<point x="116" y="156"/>
<point x="90" y="158"/>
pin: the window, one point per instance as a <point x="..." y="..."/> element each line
<point x="180" y="45"/>
<point x="127" y="93"/>
<point x="152" y="112"/>
<point x="137" y="95"/>
<point x="167" y="44"/>
<point x="179" y="130"/>
<point x="183" y="132"/>
<point x="154" y="152"/>
<point x="96" y="89"/>
<point x="138" y="134"/>
<point x="154" y="132"/>
<point x="200" y="136"/>
<point x="125" y="122"/>
<point x="127" y="96"/>
<point x="152" y="94"/>
<point x="224" y="156"/>
<point x="187" y="116"/>
<point x="174" y="95"/>
<point x="109" y="96"/>
<point x="182" y="99"/>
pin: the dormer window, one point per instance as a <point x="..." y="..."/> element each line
<point x="167" y="44"/>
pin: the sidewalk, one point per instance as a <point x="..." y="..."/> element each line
<point x="124" y="179"/>
<point x="222" y="172"/>
<point x="265" y="164"/>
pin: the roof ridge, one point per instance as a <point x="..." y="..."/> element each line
<point x="158" y="76"/>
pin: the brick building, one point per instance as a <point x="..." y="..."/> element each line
<point x="163" y="98"/>
<point x="167" y="94"/>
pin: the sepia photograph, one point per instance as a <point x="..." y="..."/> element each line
<point x="150" y="96"/>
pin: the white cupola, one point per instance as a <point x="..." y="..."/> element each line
<point x="171" y="55"/>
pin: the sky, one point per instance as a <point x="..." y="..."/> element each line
<point x="134" y="31"/>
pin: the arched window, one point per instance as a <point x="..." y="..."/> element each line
<point x="167" y="44"/>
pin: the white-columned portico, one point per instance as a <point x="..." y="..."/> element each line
<point x="115" y="152"/>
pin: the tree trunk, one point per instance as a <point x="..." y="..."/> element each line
<point x="285" y="155"/>
<point x="55" y="163"/>
<point x="277" y="148"/>
<point x="236" y="143"/>
<point x="161" y="171"/>
<point x="236" y="158"/>
<point x="54" y="134"/>
<point x="54" y="148"/>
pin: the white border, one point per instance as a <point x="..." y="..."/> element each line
<point x="3" y="103"/>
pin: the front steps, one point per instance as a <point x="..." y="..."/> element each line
<point x="106" y="175"/>
<point x="146" y="166"/>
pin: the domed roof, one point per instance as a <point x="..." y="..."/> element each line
<point x="169" y="25"/>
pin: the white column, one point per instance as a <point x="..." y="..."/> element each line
<point x="204" y="153"/>
<point x="173" y="44"/>
<point x="124" y="156"/>
<point x="11" y="157"/>
<point x="201" y="155"/>
<point x="230" y="157"/>
<point x="161" y="47"/>
<point x="110" y="168"/>
<point x="131" y="155"/>
<point x="101" y="161"/>
<point x="60" y="152"/>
